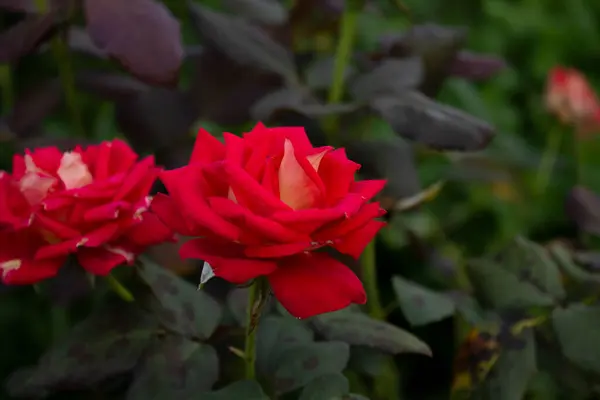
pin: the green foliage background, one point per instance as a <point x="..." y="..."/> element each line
<point x="483" y="205"/>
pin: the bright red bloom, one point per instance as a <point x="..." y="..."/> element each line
<point x="570" y="97"/>
<point x="260" y="205"/>
<point x="90" y="202"/>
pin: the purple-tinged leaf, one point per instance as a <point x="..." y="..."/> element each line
<point x="109" y="86"/>
<point x="583" y="207"/>
<point x="142" y="34"/>
<point x="268" y="12"/>
<point x="23" y="37"/>
<point x="416" y="117"/>
<point x="29" y="6"/>
<point x="476" y="67"/>
<point x="79" y="40"/>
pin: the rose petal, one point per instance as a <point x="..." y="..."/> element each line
<point x="149" y="231"/>
<point x="355" y="242"/>
<point x="106" y="212"/>
<point x="73" y="172"/>
<point x="337" y="174"/>
<point x="101" y="260"/>
<point x="297" y="188"/>
<point x="207" y="148"/>
<point x="368" y="189"/>
<point x="138" y="181"/>
<point x="184" y="186"/>
<point x="308" y="285"/>
<point x="340" y="228"/>
<point x="222" y="259"/>
<point x="168" y="212"/>
<point x="277" y="250"/>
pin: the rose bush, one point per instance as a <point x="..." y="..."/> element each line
<point x="262" y="204"/>
<point x="90" y="202"/>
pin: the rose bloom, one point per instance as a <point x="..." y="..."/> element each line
<point x="570" y="97"/>
<point x="91" y="202"/>
<point x="262" y="204"/>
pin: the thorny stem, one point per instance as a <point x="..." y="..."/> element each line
<point x="343" y="54"/>
<point x="119" y="289"/>
<point x="60" y="51"/>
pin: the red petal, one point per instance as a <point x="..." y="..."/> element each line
<point x="101" y="260"/>
<point x="314" y="284"/>
<point x="138" y="181"/>
<point x="244" y="218"/>
<point x="277" y="250"/>
<point x="355" y="242"/>
<point x="222" y="259"/>
<point x="184" y="186"/>
<point x="106" y="212"/>
<point x="149" y="231"/>
<point x="207" y="148"/>
<point x="299" y="184"/>
<point x="55" y="228"/>
<point x="368" y="189"/>
<point x="340" y="228"/>
<point x="166" y="209"/>
<point x="337" y="173"/>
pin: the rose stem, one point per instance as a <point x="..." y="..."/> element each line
<point x="119" y="289"/>
<point x="548" y="160"/>
<point x="386" y="384"/>
<point x="250" y="346"/>
<point x="60" y="51"/>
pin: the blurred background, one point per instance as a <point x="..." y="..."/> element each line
<point x="487" y="196"/>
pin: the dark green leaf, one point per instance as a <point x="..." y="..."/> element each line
<point x="237" y="301"/>
<point x="583" y="207"/>
<point x="392" y="76"/>
<point x="182" y="309"/>
<point x="326" y="387"/>
<point x="246" y="390"/>
<point x="266" y="108"/>
<point x="523" y="275"/>
<point x="420" y="305"/>
<point x="566" y="262"/>
<point x="511" y="374"/>
<point x="358" y="329"/>
<point x="367" y="360"/>
<point x="275" y="335"/>
<point x="319" y="75"/>
<point x="26" y="35"/>
<point x="176" y="368"/>
<point x="107" y="343"/>
<point x="142" y="34"/>
<point x="436" y="45"/>
<point x="414" y="116"/>
<point x="300" y="364"/>
<point x="387" y="159"/>
<point x="243" y="42"/>
<point x="578" y="331"/>
<point x="269" y="12"/>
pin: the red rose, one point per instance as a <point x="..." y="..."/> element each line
<point x="260" y="205"/>
<point x="570" y="97"/>
<point x="90" y="202"/>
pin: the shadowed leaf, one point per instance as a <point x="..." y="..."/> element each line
<point x="476" y="67"/>
<point x="175" y="368"/>
<point x="387" y="159"/>
<point x="141" y="34"/>
<point x="274" y="335"/>
<point x="71" y="283"/>
<point x="290" y="99"/>
<point x="182" y="309"/>
<point x="358" y="329"/>
<point x="247" y="390"/>
<point x="583" y="207"/>
<point x="367" y="360"/>
<point x="436" y="45"/>
<point x="577" y="328"/>
<point x="522" y="275"/>
<point x="420" y="305"/>
<point x="390" y="77"/>
<point x="512" y="372"/>
<point x="414" y="116"/>
<point x="79" y="40"/>
<point x="33" y="106"/>
<point x="330" y="386"/>
<point x="566" y="261"/>
<point x="237" y="301"/>
<point x="298" y="365"/>
<point x="243" y="42"/>
<point x="319" y="75"/>
<point x="22" y="38"/>
<point x="156" y="120"/>
<point x="108" y="86"/>
<point x="107" y="343"/>
<point x="30" y="6"/>
<point x="268" y="12"/>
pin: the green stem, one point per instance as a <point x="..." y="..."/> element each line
<point x="59" y="321"/>
<point x="60" y="52"/>
<point x="250" y="345"/>
<point x="369" y="276"/>
<point x="343" y="54"/>
<point x="548" y="160"/>
<point x="119" y="289"/>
